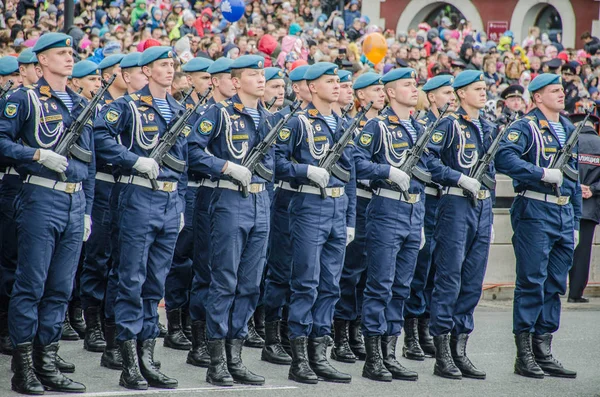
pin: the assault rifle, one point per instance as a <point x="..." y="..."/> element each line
<point x="6" y="88"/>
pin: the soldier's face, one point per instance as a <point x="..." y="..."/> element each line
<point x="29" y="74"/>
<point x="57" y="61"/>
<point x="14" y="77"/>
<point x="375" y="94"/>
<point x="301" y="90"/>
<point x="275" y="88"/>
<point x="514" y="103"/>
<point x="161" y="72"/>
<point x="346" y="94"/>
<point x="135" y="79"/>
<point x="90" y="85"/>
<point x="224" y="85"/>
<point x="201" y="81"/>
<point x="326" y="88"/>
<point x="443" y="96"/>
<point x="474" y="95"/>
<point x="251" y="82"/>
<point x="551" y="97"/>
<point x="404" y="92"/>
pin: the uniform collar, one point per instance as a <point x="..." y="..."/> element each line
<point x="43" y="88"/>
<point x="431" y="117"/>
<point x="146" y="98"/>
<point x="313" y="112"/>
<point x="237" y="104"/>
<point x="543" y="123"/>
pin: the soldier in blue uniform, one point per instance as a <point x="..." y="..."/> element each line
<point x="546" y="227"/>
<point x="346" y="320"/>
<point x="319" y="228"/>
<point x="239" y="226"/>
<point x="279" y="262"/>
<point x="149" y="220"/>
<point x="417" y="340"/>
<point x="346" y="98"/>
<point x="274" y="88"/>
<point x="85" y="79"/>
<point x="179" y="279"/>
<point x="49" y="214"/>
<point x="220" y="78"/>
<point x="461" y="239"/>
<point x="9" y="70"/>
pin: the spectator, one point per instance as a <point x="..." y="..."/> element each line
<point x="188" y="27"/>
<point x="592" y="43"/>
<point x="351" y="12"/>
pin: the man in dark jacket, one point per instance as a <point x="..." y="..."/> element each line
<point x="592" y="43"/>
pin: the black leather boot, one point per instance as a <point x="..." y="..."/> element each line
<point x="162" y="330"/>
<point x="148" y="369"/>
<point x="300" y="370"/>
<point x="388" y="349"/>
<point x="198" y="355"/>
<point x="259" y="321"/>
<point x="525" y="364"/>
<point x="111" y="357"/>
<point x="239" y="372"/>
<point x="341" y="347"/>
<point x="175" y="338"/>
<point x="94" y="337"/>
<point x="76" y="318"/>
<point x="273" y="352"/>
<point x="131" y="377"/>
<point x="253" y="339"/>
<point x="317" y="359"/>
<point x="186" y="323"/>
<point x="542" y="351"/>
<point x="24" y="380"/>
<point x="444" y="365"/>
<point x="64" y="366"/>
<point x="374" y="368"/>
<point x="68" y="333"/>
<point x="44" y="365"/>
<point x="5" y="343"/>
<point x="357" y="344"/>
<point x="285" y="335"/>
<point x="425" y="339"/>
<point x="458" y="348"/>
<point x="411" y="349"/>
<point x="217" y="373"/>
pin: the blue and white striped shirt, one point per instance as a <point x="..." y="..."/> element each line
<point x="560" y="132"/>
<point x="255" y="116"/>
<point x="164" y="108"/>
<point x="478" y="125"/>
<point x="65" y="98"/>
<point x="331" y="122"/>
<point x="411" y="130"/>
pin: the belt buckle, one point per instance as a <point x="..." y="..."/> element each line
<point x="70" y="188"/>
<point x="481" y="195"/>
<point x="562" y="200"/>
<point x="336" y="192"/>
<point x="167" y="187"/>
<point x="254" y="188"/>
<point x="412" y="198"/>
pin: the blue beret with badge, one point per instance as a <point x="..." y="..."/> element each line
<point x="85" y="68"/>
<point x="442" y="80"/>
<point x="298" y="73"/>
<point x="320" y="69"/>
<point x="131" y="60"/>
<point x="273" y="74"/>
<point x="366" y="80"/>
<point x="154" y="54"/>
<point x="8" y="65"/>
<point x="221" y="65"/>
<point x="399" y="74"/>
<point x="27" y="57"/>
<point x="345" y="76"/>
<point x="110" y="61"/>
<point x="248" y="62"/>
<point x="199" y="64"/>
<point x="466" y="78"/>
<point x="543" y="80"/>
<point x="52" y="40"/>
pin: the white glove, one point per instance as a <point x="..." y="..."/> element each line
<point x="181" y="223"/>
<point x="469" y="184"/>
<point x="318" y="175"/>
<point x="492" y="235"/>
<point x="239" y="173"/>
<point x="53" y="161"/>
<point x="400" y="178"/>
<point x="350" y="233"/>
<point x="87" y="227"/>
<point x="422" y="239"/>
<point x="575" y="238"/>
<point x="553" y="175"/>
<point x="147" y="166"/>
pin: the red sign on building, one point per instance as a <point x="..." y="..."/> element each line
<point x="495" y="29"/>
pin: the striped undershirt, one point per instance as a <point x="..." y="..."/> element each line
<point x="411" y="130"/>
<point x="164" y="108"/>
<point x="65" y="98"/>
<point x="255" y="116"/>
<point x="478" y="125"/>
<point x="560" y="132"/>
<point x="331" y="122"/>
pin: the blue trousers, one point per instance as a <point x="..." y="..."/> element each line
<point x="417" y="305"/>
<point x="148" y="229"/>
<point x="354" y="271"/>
<point x="279" y="263"/>
<point x="239" y="231"/>
<point x="112" y="284"/>
<point x="461" y="245"/>
<point x="179" y="279"/>
<point x="544" y="248"/>
<point x="50" y="229"/>
<point x="318" y="232"/>
<point x="96" y="263"/>
<point x="9" y="188"/>
<point x="200" y="264"/>
<point x="393" y="240"/>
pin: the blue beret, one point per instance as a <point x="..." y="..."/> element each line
<point x="345" y="76"/>
<point x="320" y="69"/>
<point x="85" y="68"/>
<point x="131" y="60"/>
<point x="221" y="65"/>
<point x="27" y="57"/>
<point x="52" y="40"/>
<point x="273" y="74"/>
<point x="248" y="62"/>
<point x="467" y="77"/>
<point x="443" y="80"/>
<point x="154" y="54"/>
<point x="367" y="80"/>
<point x="542" y="80"/>
<point x="399" y="74"/>
<point x="298" y="73"/>
<point x="8" y="65"/>
<point x="110" y="61"/>
<point x="197" y="65"/>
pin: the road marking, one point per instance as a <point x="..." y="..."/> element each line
<point x="177" y="391"/>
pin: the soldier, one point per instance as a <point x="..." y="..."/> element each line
<point x="346" y="98"/>
<point x="274" y="88"/>
<point x="9" y="71"/>
<point x="86" y="78"/>
<point x="417" y="340"/>
<point x="49" y="213"/>
<point x="239" y="226"/>
<point x="568" y="72"/>
<point x="348" y="341"/>
<point x="149" y="220"/>
<point x="319" y="227"/>
<point x="546" y="227"/>
<point x="513" y="101"/>
<point x="220" y="78"/>
<point x="462" y="231"/>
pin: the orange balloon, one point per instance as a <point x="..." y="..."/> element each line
<point x="375" y="47"/>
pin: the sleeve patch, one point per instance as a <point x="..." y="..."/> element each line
<point x="112" y="116"/>
<point x="205" y="127"/>
<point x="366" y="139"/>
<point x="10" y="110"/>
<point x="437" y="137"/>
<point x="513" y="136"/>
<point x="284" y="134"/>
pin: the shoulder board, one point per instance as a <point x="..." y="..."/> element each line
<point x="453" y="115"/>
<point x="530" y="118"/>
<point x="134" y="97"/>
<point x="422" y="121"/>
<point x="224" y="103"/>
<point x="381" y="117"/>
